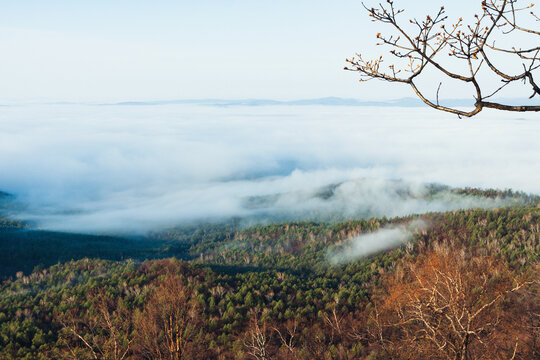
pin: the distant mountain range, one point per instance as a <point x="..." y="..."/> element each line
<point x="324" y="101"/>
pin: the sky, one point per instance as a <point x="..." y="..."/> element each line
<point x="162" y="49"/>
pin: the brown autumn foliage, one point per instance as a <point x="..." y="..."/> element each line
<point x="447" y="300"/>
<point x="101" y="332"/>
<point x="167" y="327"/>
<point x="454" y="304"/>
<point x="168" y="324"/>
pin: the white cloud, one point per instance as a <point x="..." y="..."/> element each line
<point x="133" y="168"/>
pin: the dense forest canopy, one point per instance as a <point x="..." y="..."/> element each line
<point x="270" y="292"/>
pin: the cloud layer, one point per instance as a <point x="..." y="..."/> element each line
<point x="136" y="168"/>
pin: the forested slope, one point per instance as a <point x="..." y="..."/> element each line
<point x="271" y="292"/>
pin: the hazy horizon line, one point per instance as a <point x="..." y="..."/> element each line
<point x="321" y="101"/>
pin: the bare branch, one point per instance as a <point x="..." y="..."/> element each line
<point x="422" y="48"/>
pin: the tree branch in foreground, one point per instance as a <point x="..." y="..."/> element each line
<point x="432" y="43"/>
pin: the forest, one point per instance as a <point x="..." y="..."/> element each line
<point x="463" y="286"/>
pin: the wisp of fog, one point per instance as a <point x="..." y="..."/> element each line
<point x="368" y="244"/>
<point x="129" y="168"/>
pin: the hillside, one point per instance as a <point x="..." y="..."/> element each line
<point x="272" y="291"/>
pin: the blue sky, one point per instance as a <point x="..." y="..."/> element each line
<point x="139" y="50"/>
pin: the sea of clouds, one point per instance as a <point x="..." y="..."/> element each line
<point x="135" y="168"/>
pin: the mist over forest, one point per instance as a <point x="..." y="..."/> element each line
<point x="131" y="168"/>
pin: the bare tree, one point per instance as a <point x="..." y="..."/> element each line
<point x="288" y="338"/>
<point x="419" y="46"/>
<point x="256" y="340"/>
<point x="455" y="307"/>
<point x="334" y="320"/>
<point x="168" y="322"/>
<point x="102" y="332"/>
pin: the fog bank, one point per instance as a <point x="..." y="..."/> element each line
<point x="136" y="168"/>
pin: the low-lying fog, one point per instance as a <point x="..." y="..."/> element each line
<point x="121" y="168"/>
